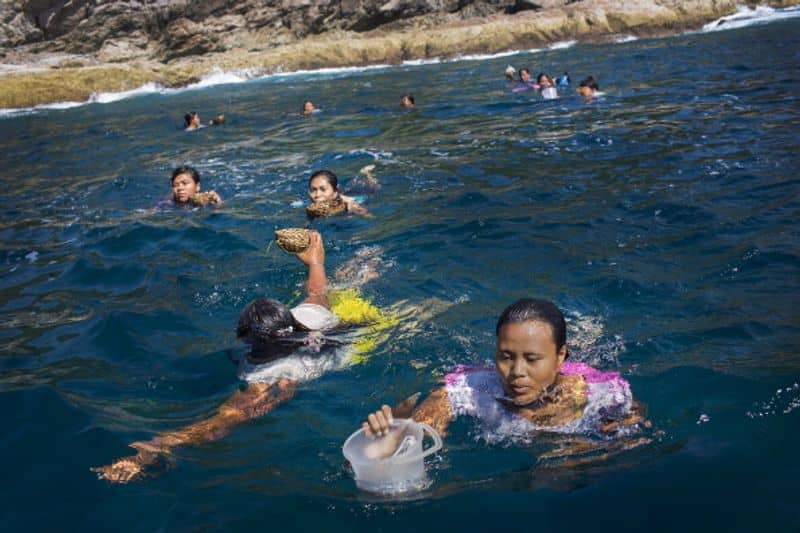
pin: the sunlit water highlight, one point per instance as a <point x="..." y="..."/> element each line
<point x="662" y="218"/>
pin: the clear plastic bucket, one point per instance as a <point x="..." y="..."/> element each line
<point x="403" y="471"/>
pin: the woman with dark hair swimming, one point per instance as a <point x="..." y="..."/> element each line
<point x="287" y="347"/>
<point x="531" y="387"/>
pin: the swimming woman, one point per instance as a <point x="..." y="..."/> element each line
<point x="546" y="87"/>
<point x="287" y="347"/>
<point x="531" y="388"/>
<point x="309" y="108"/>
<point x="525" y="82"/>
<point x="407" y="101"/>
<point x="191" y="121"/>
<point x="323" y="190"/>
<point x="588" y="88"/>
<point x="185" y="183"/>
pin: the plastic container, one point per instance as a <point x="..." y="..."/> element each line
<point x="403" y="471"/>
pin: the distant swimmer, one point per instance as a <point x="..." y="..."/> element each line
<point x="510" y="73"/>
<point x="589" y="88"/>
<point x="407" y="101"/>
<point x="563" y="80"/>
<point x="326" y="200"/>
<point x="309" y="107"/>
<point x="185" y="183"/>
<point x="546" y="87"/>
<point x="525" y="82"/>
<point x="191" y="121"/>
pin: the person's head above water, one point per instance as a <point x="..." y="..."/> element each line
<point x="185" y="182"/>
<point x="323" y="186"/>
<point x="308" y="107"/>
<point x="544" y="80"/>
<point x="588" y="87"/>
<point x="269" y="328"/>
<point x="191" y="120"/>
<point x="524" y="74"/>
<point x="407" y="101"/>
<point x="531" y="346"/>
<point x="510" y="73"/>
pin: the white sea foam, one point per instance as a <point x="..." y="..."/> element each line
<point x="561" y="45"/>
<point x="746" y="16"/>
<point x="625" y="39"/>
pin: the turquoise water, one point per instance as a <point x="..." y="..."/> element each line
<point x="662" y="218"/>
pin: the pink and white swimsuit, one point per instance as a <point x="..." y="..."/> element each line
<point x="473" y="391"/>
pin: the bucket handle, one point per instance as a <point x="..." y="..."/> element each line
<point x="437" y="440"/>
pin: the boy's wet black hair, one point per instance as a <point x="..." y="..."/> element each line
<point x="269" y="327"/>
<point x="532" y="309"/>
<point x="329" y="176"/>
<point x="185" y="169"/>
<point x="590" y="82"/>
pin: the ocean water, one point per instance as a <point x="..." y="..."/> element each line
<point x="661" y="217"/>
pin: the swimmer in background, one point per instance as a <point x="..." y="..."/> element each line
<point x="589" y="88"/>
<point x="546" y="87"/>
<point x="323" y="189"/>
<point x="185" y="183"/>
<point x="407" y="101"/>
<point x="510" y="72"/>
<point x="525" y="82"/>
<point x="531" y="388"/>
<point x="309" y="107"/>
<point x="191" y="121"/>
<point x="563" y="80"/>
<point x="287" y="347"/>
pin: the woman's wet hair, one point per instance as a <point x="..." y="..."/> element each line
<point x="410" y="98"/>
<point x="590" y="82"/>
<point x="188" y="117"/>
<point x="545" y="76"/>
<point x="534" y="310"/>
<point x="270" y="329"/>
<point x="329" y="176"/>
<point x="185" y="169"/>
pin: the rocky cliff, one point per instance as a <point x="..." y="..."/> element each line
<point x="53" y="50"/>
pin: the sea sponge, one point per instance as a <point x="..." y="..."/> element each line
<point x="293" y="240"/>
<point x="326" y="208"/>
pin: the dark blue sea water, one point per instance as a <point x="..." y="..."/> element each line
<point x="662" y="217"/>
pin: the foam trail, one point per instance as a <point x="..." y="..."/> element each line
<point x="749" y="17"/>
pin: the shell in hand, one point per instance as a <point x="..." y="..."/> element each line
<point x="293" y="240"/>
<point x="326" y="209"/>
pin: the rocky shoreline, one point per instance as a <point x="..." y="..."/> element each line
<point x="61" y="69"/>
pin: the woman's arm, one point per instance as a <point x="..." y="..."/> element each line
<point x="317" y="283"/>
<point x="257" y="399"/>
<point x="354" y="207"/>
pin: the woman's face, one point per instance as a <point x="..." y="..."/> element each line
<point x="183" y="187"/>
<point x="527" y="359"/>
<point x="586" y="92"/>
<point x="308" y="107"/>
<point x="320" y="190"/>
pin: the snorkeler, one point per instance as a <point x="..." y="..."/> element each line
<point x="185" y="183"/>
<point x="309" y="108"/>
<point x="546" y="87"/>
<point x="287" y="347"/>
<point x="407" y="101"/>
<point x="588" y="87"/>
<point x="326" y="200"/>
<point x="531" y="388"/>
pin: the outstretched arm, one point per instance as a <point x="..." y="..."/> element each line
<point x="354" y="207"/>
<point x="256" y="400"/>
<point x="314" y="259"/>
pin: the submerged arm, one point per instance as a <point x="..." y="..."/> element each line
<point x="257" y="399"/>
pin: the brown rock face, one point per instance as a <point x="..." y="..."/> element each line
<point x="167" y="29"/>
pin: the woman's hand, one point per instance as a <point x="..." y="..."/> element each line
<point x="315" y="253"/>
<point x="385" y="438"/>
